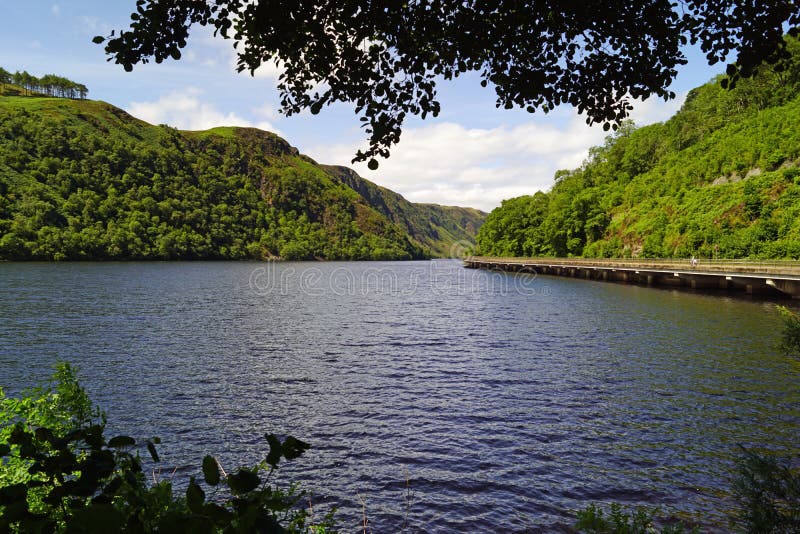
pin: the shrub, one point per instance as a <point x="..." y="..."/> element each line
<point x="58" y="473"/>
<point x="592" y="520"/>
<point x="768" y="492"/>
<point x="790" y="338"/>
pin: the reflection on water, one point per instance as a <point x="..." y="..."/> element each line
<point x="502" y="401"/>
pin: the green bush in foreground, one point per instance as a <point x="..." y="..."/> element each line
<point x="768" y="492"/>
<point x="58" y="473"/>
<point x="766" y="489"/>
<point x="592" y="520"/>
<point x="790" y="338"/>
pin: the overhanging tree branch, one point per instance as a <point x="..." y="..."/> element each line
<point x="595" y="55"/>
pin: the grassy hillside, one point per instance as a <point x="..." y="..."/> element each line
<point x="438" y="228"/>
<point x="719" y="179"/>
<point x="85" y="180"/>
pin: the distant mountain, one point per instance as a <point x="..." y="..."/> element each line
<point x="445" y="230"/>
<point x="719" y="179"/>
<point x="85" y="180"/>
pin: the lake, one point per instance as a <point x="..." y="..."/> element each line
<point x="448" y="399"/>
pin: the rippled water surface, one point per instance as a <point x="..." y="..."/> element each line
<point x="498" y="403"/>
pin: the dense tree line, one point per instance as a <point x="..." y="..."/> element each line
<point x="719" y="179"/>
<point x="84" y="180"/>
<point x="49" y="84"/>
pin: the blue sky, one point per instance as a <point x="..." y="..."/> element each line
<point x="471" y="155"/>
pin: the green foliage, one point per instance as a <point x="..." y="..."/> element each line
<point x="60" y="474"/>
<point x="85" y="180"/>
<point x="445" y="230"/>
<point x="593" y="520"/>
<point x="790" y="341"/>
<point x="50" y="85"/>
<point x="61" y="405"/>
<point x="716" y="180"/>
<point x="768" y="492"/>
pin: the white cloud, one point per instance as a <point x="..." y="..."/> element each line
<point x="656" y="110"/>
<point x="269" y="70"/>
<point x="187" y="111"/>
<point x="267" y="112"/>
<point x="55" y="9"/>
<point x="443" y="162"/>
<point x="91" y="25"/>
<point x="215" y="52"/>
<point x="448" y="163"/>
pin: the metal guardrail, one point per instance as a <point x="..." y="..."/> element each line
<point x="789" y="267"/>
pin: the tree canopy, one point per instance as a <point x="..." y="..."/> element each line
<point x="386" y="56"/>
<point x="49" y="84"/>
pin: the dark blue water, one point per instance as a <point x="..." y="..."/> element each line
<point x="499" y="403"/>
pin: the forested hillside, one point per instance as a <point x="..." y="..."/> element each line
<point x="719" y="179"/>
<point x="434" y="226"/>
<point x="85" y="180"/>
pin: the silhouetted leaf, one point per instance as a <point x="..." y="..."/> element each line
<point x="275" y="450"/>
<point x="153" y="453"/>
<point x="15" y="511"/>
<point x="97" y="519"/>
<point x="119" y="442"/>
<point x="243" y="481"/>
<point x="293" y="447"/>
<point x="268" y="525"/>
<point x="195" y="497"/>
<point x="44" y="434"/>
<point x="94" y="436"/>
<point x="217" y="513"/>
<point x="13" y="492"/>
<point x="211" y="470"/>
<point x="18" y="435"/>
